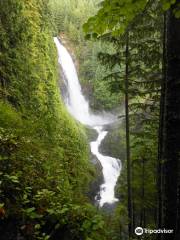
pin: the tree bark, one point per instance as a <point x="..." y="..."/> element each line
<point x="171" y="128"/>
<point x="130" y="212"/>
<point x="142" y="218"/>
<point x="161" y="124"/>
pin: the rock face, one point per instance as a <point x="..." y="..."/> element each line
<point x="95" y="185"/>
<point x="113" y="144"/>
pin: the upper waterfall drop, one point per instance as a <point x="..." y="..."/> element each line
<point x="76" y="103"/>
<point x="78" y="106"/>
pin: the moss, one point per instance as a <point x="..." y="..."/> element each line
<point x="44" y="170"/>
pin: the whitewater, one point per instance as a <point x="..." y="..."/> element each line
<point x="79" y="108"/>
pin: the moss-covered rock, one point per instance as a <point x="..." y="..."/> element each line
<point x="113" y="144"/>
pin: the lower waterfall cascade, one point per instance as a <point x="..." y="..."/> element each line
<point x="78" y="107"/>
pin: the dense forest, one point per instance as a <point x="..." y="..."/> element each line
<point x="127" y="57"/>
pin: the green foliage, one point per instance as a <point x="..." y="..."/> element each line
<point x="44" y="170"/>
<point x="144" y="64"/>
<point x="69" y="17"/>
<point x="116" y="16"/>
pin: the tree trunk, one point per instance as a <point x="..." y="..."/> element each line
<point x="171" y="127"/>
<point x="161" y="122"/>
<point x="142" y="218"/>
<point x="130" y="213"/>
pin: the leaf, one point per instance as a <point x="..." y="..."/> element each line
<point x="1" y="205"/>
<point x="166" y="6"/>
<point x="37" y="226"/>
<point x="57" y="226"/>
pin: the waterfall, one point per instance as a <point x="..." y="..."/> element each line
<point x="78" y="107"/>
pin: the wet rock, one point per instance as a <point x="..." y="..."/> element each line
<point x="91" y="134"/>
<point x="109" y="207"/>
<point x="94" y="187"/>
<point x="114" y="143"/>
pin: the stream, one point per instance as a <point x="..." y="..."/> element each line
<point x="79" y="108"/>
